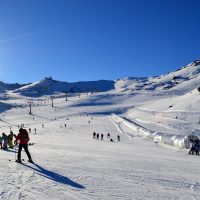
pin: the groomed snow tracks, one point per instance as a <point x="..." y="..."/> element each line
<point x="178" y="141"/>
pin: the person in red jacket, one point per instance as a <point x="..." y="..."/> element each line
<point x="23" y="139"/>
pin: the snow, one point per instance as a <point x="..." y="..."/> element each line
<point x="150" y="162"/>
<point x="48" y="86"/>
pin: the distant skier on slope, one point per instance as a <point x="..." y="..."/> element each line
<point x="23" y="139"/>
<point x="118" y="138"/>
<point x="1" y="140"/>
<point x="197" y="147"/>
<point x="94" y="135"/>
<point x="102" y="136"/>
<point x="192" y="149"/>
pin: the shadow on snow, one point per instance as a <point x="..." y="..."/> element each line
<point x="55" y="176"/>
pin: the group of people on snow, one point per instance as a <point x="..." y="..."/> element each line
<point x="22" y="138"/>
<point x="7" y="140"/>
<point x="101" y="136"/>
<point x="195" y="147"/>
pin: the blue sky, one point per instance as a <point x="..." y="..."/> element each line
<point x="80" y="40"/>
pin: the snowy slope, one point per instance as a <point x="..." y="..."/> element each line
<point x="70" y="165"/>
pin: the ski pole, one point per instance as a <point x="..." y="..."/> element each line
<point x="15" y="153"/>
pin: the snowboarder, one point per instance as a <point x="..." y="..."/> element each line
<point x="5" y="141"/>
<point x="23" y="139"/>
<point x="102" y="136"/>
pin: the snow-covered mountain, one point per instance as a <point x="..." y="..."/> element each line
<point x="49" y="86"/>
<point x="6" y="86"/>
<point x="183" y="80"/>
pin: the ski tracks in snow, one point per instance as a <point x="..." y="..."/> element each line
<point x="22" y="183"/>
<point x="193" y="188"/>
<point x="15" y="182"/>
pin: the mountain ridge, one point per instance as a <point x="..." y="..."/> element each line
<point x="185" y="79"/>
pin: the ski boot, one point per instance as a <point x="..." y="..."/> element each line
<point x="18" y="161"/>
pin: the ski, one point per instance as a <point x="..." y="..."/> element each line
<point x="14" y="160"/>
<point x="21" y="162"/>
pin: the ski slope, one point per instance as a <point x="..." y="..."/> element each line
<point x="71" y="165"/>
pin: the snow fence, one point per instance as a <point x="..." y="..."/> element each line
<point x="178" y="141"/>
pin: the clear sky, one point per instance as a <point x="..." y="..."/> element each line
<point x="80" y="40"/>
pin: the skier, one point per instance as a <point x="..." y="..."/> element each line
<point x="29" y="130"/>
<point x="10" y="139"/>
<point x="102" y="136"/>
<point x="97" y="136"/>
<point x="5" y="141"/>
<point x="118" y="138"/>
<point x="192" y="149"/>
<point x="197" y="147"/>
<point x="94" y="135"/>
<point x="1" y="140"/>
<point x="23" y="139"/>
<point x="108" y="136"/>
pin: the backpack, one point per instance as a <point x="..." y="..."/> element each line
<point x="24" y="136"/>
